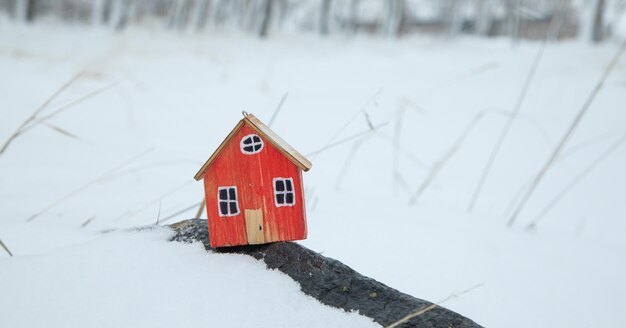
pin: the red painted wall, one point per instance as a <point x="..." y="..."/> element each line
<point x="253" y="174"/>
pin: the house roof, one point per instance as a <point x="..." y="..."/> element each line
<point x="293" y="155"/>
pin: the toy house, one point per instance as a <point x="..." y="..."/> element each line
<point x="253" y="188"/>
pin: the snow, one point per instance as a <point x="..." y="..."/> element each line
<point x="139" y="280"/>
<point x="178" y="96"/>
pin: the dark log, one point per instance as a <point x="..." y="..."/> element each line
<point x="332" y="282"/>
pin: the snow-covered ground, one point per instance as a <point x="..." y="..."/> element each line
<point x="135" y="147"/>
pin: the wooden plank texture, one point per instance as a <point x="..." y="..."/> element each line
<point x="253" y="175"/>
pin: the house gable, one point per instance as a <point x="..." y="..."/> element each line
<point x="250" y="120"/>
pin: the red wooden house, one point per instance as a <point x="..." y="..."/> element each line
<point x="253" y="188"/>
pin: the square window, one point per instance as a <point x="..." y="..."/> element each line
<point x="227" y="201"/>
<point x="284" y="195"/>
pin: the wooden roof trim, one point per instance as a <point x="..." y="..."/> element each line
<point x="219" y="149"/>
<point x="279" y="143"/>
<point x="293" y="155"/>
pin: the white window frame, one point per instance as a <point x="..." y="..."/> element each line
<point x="227" y="200"/>
<point x="284" y="192"/>
<point x="252" y="144"/>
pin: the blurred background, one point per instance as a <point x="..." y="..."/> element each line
<point x="525" y="19"/>
<point x="456" y="144"/>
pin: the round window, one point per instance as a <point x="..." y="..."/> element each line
<point x="251" y="144"/>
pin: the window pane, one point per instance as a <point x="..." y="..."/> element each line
<point x="233" y="207"/>
<point x="256" y="139"/>
<point x="248" y="149"/>
<point x="289" y="198"/>
<point x="231" y="192"/>
<point x="257" y="147"/>
<point x="223" y="194"/>
<point x="247" y="141"/>
<point x="280" y="185"/>
<point x="224" y="208"/>
<point x="288" y="182"/>
<point x="280" y="198"/>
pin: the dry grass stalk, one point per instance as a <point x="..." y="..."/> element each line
<point x="330" y="143"/>
<point x="432" y="306"/>
<point x="314" y="204"/>
<point x="201" y="208"/>
<point x="438" y="165"/>
<point x="396" y="175"/>
<point x="37" y="111"/>
<point x="65" y="107"/>
<point x="342" y="141"/>
<point x="507" y="127"/>
<point x="576" y="180"/>
<point x="131" y="213"/>
<point x="403" y="151"/>
<point x="516" y="197"/>
<point x="140" y="168"/>
<point x="158" y="215"/>
<point x="534" y="122"/>
<point x="79" y="100"/>
<point x="458" y="78"/>
<point x="87" y="221"/>
<point x="186" y="209"/>
<point x="6" y="249"/>
<point x="568" y="133"/>
<point x="401" y="181"/>
<point x="278" y="108"/>
<point x="309" y="193"/>
<point x="395" y="162"/>
<point x="87" y="185"/>
<point x="61" y="131"/>
<point x="590" y="142"/>
<point x="563" y="156"/>
<point x="355" y="147"/>
<point x="346" y="165"/>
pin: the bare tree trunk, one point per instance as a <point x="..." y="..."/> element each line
<point x="126" y="11"/>
<point x="354" y="15"/>
<point x="200" y="13"/>
<point x="267" y="18"/>
<point x="455" y="20"/>
<point x="597" y="34"/>
<point x="24" y="10"/>
<point x="30" y="10"/>
<point x="557" y="21"/>
<point x="97" y="12"/>
<point x="512" y="19"/>
<point x="119" y="14"/>
<point x="395" y="17"/>
<point x="325" y="16"/>
<point x="483" y="17"/>
<point x="176" y="19"/>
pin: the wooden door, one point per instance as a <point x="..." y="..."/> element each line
<point x="254" y="226"/>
